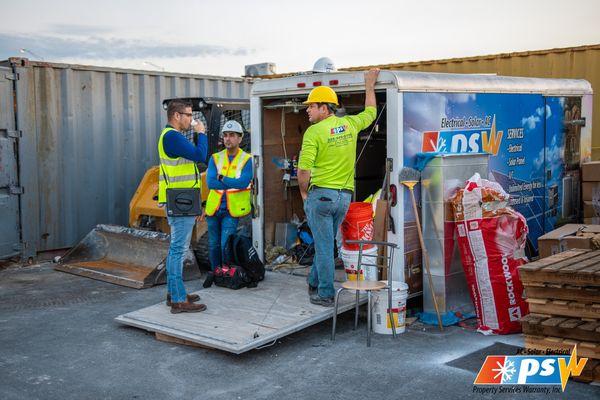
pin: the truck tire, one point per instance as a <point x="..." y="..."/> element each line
<point x="201" y="252"/>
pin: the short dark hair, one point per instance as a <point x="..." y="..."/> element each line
<point x="177" y="105"/>
<point x="330" y="106"/>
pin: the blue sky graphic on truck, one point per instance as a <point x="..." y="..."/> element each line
<point x="511" y="127"/>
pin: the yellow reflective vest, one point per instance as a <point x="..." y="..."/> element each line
<point x="176" y="173"/>
<point x="238" y="200"/>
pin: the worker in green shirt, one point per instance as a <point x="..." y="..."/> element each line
<point x="326" y="176"/>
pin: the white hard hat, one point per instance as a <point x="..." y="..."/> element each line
<point x="324" y="64"/>
<point x="232" y="126"/>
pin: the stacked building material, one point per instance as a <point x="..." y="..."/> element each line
<point x="563" y="292"/>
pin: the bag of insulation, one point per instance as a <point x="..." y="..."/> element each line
<point x="491" y="240"/>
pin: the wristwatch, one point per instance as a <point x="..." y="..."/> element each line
<point x="220" y="177"/>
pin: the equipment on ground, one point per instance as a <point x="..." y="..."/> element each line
<point x="409" y="177"/>
<point x="135" y="256"/>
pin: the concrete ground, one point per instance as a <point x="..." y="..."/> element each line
<point x="59" y="340"/>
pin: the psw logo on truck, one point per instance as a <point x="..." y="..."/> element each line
<point x="469" y="141"/>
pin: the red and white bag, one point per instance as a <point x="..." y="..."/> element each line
<point x="491" y="238"/>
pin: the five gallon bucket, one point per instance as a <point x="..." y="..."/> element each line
<point x="380" y="316"/>
<point x="358" y="224"/>
<point x="367" y="272"/>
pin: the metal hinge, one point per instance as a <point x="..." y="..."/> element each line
<point x="11" y="77"/>
<point x="16" y="190"/>
<point x="14" y="134"/>
<point x="577" y="122"/>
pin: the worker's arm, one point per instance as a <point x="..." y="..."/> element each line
<point x="243" y="181"/>
<point x="306" y="162"/>
<point x="370" y="80"/>
<point x="176" y="145"/>
<point x="303" y="182"/>
<point x="365" y="118"/>
<point x="211" y="177"/>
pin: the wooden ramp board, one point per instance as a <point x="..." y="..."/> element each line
<point x="237" y="321"/>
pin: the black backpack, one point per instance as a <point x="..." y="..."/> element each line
<point x="239" y="251"/>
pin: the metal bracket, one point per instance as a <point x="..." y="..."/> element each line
<point x="576" y="122"/>
<point x="11" y="77"/>
<point x="14" y="134"/>
<point x="16" y="190"/>
<point x="389" y="165"/>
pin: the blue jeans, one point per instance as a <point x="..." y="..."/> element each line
<point x="181" y="233"/>
<point x="325" y="210"/>
<point x="220" y="226"/>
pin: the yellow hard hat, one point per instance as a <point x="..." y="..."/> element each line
<point x="322" y="94"/>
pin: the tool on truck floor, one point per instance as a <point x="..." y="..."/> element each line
<point x="409" y="177"/>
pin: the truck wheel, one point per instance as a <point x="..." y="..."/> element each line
<point x="201" y="252"/>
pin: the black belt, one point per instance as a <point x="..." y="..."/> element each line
<point x="337" y="190"/>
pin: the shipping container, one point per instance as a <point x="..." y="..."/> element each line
<point x="581" y="62"/>
<point x="83" y="137"/>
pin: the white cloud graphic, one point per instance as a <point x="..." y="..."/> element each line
<point x="548" y="111"/>
<point x="530" y="122"/>
<point x="539" y="111"/>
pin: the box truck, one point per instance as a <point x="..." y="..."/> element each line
<point x="535" y="133"/>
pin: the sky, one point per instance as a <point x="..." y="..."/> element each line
<point x="221" y="37"/>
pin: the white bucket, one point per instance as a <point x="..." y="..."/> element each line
<point x="380" y="316"/>
<point x="367" y="272"/>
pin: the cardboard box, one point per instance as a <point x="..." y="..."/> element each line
<point x="570" y="236"/>
<point x="588" y="189"/>
<point x="589" y="210"/>
<point x="590" y="171"/>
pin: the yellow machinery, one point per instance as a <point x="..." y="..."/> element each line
<point x="144" y="212"/>
<point x="135" y="256"/>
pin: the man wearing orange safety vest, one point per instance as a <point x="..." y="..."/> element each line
<point x="228" y="177"/>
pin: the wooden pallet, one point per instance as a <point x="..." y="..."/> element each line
<point x="564" y="327"/>
<point x="573" y="267"/>
<point x="556" y="291"/>
<point x="550" y="343"/>
<point x="590" y="373"/>
<point x="564" y="308"/>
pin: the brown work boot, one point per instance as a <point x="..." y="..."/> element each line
<point x="191" y="298"/>
<point x="177" y="308"/>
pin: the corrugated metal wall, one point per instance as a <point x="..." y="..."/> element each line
<point x="573" y="62"/>
<point x="96" y="133"/>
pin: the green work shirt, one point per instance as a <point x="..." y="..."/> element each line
<point x="329" y="149"/>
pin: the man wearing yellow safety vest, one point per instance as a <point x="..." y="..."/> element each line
<point x="326" y="177"/>
<point x="228" y="177"/>
<point x="178" y="170"/>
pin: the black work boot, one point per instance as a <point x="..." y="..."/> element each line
<point x="321" y="301"/>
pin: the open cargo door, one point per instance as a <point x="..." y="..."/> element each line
<point x="124" y="256"/>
